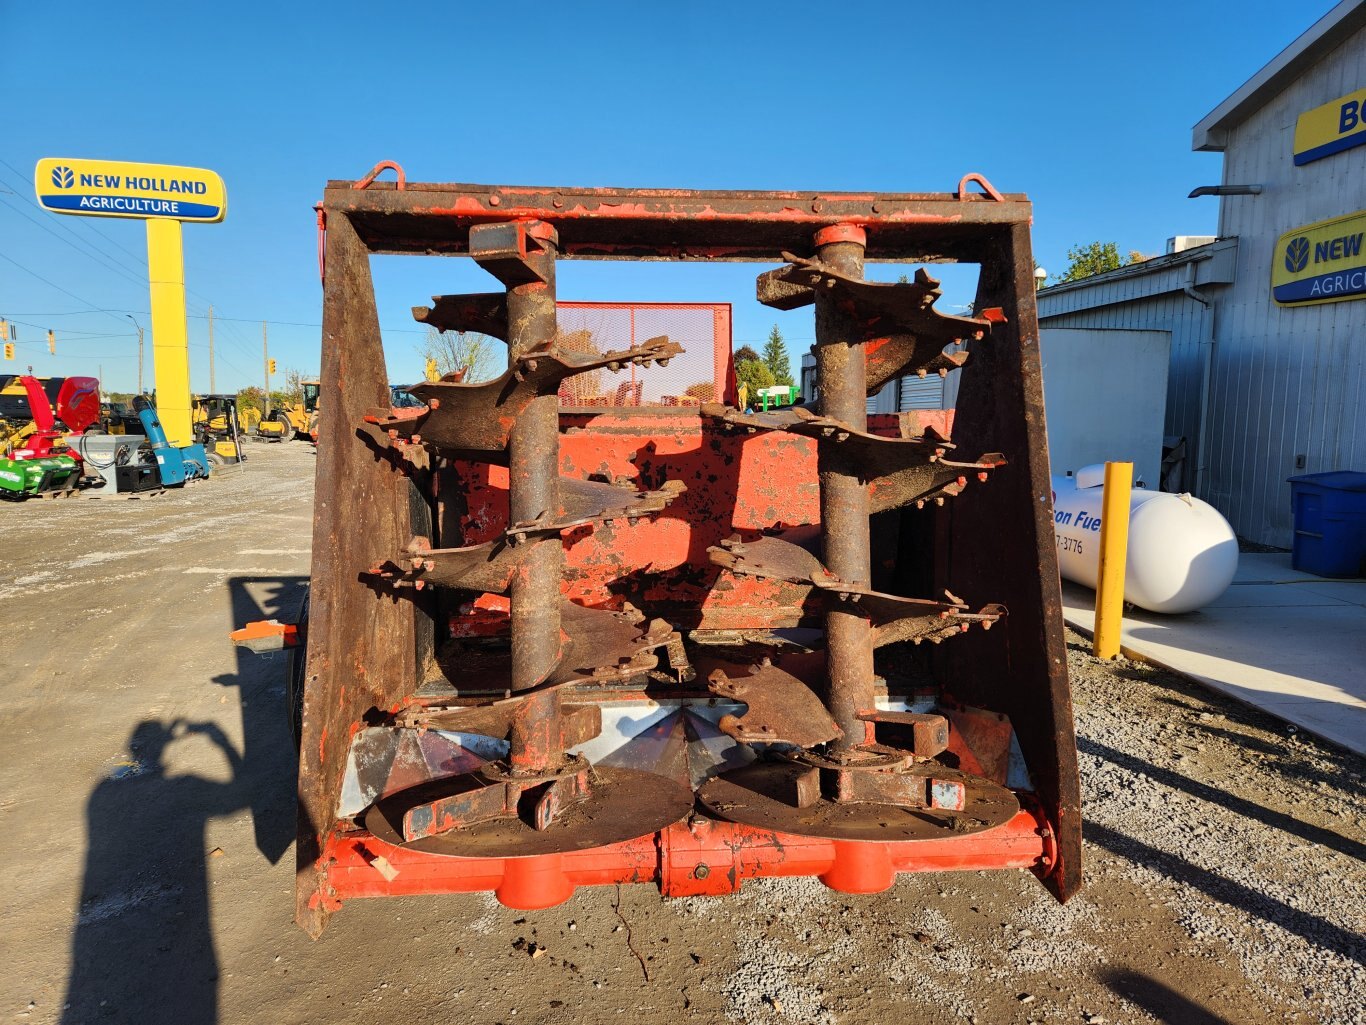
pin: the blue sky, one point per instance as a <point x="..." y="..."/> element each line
<point x="1086" y="107"/>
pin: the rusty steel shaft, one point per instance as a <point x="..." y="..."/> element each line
<point x="533" y="491"/>
<point x="841" y="377"/>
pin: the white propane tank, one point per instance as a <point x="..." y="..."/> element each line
<point x="1182" y="552"/>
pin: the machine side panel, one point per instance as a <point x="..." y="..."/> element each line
<point x="362" y="651"/>
<point x="1002" y="542"/>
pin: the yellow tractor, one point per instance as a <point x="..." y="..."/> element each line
<point x="283" y="422"/>
<point x="217" y="426"/>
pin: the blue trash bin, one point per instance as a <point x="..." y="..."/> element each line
<point x="1330" y="523"/>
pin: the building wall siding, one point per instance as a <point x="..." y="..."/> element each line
<point x="1188" y="323"/>
<point x="1286" y="382"/>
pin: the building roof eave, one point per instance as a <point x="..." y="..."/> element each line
<point x="1211" y="133"/>
<point x="1215" y="266"/>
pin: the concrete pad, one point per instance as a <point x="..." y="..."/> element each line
<point x="1268" y="567"/>
<point x="1284" y="648"/>
<point x="1257" y="595"/>
<point x="1350" y="591"/>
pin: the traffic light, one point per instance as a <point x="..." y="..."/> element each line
<point x="433" y="372"/>
<point x="270" y="366"/>
<point x="51" y="342"/>
<point x="9" y="350"/>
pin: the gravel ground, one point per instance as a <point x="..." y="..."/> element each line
<point x="147" y="805"/>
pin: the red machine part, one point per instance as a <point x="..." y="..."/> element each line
<point x="698" y="858"/>
<point x="78" y="403"/>
<point x="46" y="440"/>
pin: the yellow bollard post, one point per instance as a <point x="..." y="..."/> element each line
<point x="1114" y="551"/>
<point x="170" y="337"/>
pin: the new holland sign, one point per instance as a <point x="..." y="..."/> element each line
<point x="1321" y="263"/>
<point x="116" y="188"/>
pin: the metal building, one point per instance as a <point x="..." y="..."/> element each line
<point x="1268" y="323"/>
<point x="911" y="392"/>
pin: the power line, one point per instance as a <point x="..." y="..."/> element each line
<point x="88" y="255"/>
<point x="64" y="225"/>
<point x="87" y="223"/>
<point x="93" y="307"/>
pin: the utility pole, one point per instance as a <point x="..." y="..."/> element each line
<point x="212" y="389"/>
<point x="265" y="357"/>
<point x="139" y="327"/>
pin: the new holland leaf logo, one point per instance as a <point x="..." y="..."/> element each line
<point x="1296" y="254"/>
<point x="63" y="178"/>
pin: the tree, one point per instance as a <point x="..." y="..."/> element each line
<point x="251" y="398"/>
<point x="1085" y="261"/>
<point x="454" y="351"/>
<point x="751" y="375"/>
<point x="776" y="359"/>
<point x="743" y="353"/>
<point x="293" y="391"/>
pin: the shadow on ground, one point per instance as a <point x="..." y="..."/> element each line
<point x="143" y="949"/>
<point x="1160" y="1000"/>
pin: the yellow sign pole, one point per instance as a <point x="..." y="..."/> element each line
<point x="170" y="336"/>
<point x="1114" y="551"/>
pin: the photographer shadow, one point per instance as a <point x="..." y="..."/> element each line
<point x="144" y="947"/>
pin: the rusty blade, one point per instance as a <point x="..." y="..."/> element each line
<point x="764" y="795"/>
<point x="462" y="418"/>
<point x="559" y="795"/>
<point x="901" y="471"/>
<point x="898" y="355"/>
<point x="586" y="502"/>
<point x="610" y="647"/>
<point x="489" y="567"/>
<point x="622" y="804"/>
<point x="909" y="619"/>
<point x="489" y="794"/>
<point x="769" y="557"/>
<point x="597" y="646"/>
<point x="578" y="723"/>
<point x="782" y="709"/>
<point x="903" y="332"/>
<point x="894" y="618"/>
<point x="486" y="567"/>
<point x="483" y="312"/>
